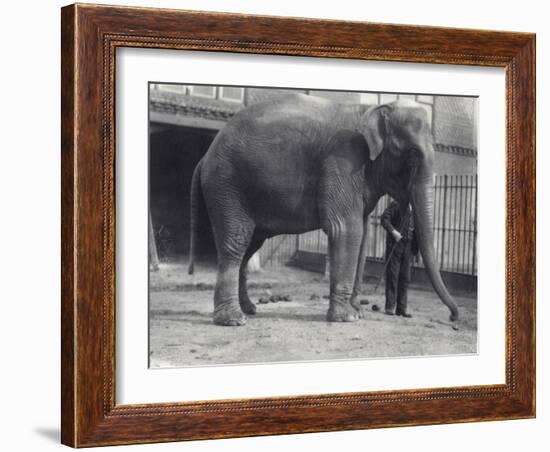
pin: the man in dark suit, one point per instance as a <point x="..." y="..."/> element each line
<point x="401" y="245"/>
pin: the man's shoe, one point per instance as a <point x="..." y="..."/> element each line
<point x="404" y="314"/>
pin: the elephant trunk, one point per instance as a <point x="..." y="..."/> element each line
<point x="423" y="204"/>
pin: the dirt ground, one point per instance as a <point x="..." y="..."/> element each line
<point x="181" y="332"/>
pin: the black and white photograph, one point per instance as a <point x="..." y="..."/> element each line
<point x="290" y="225"/>
<point x="236" y="225"/>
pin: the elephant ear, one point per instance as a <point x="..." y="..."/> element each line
<point x="376" y="128"/>
<point x="350" y="145"/>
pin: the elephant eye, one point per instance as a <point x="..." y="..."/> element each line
<point x="415" y="156"/>
<point x="416" y="152"/>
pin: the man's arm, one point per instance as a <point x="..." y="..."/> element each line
<point x="386" y="220"/>
<point x="388" y="215"/>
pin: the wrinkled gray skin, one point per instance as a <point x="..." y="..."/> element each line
<point x="300" y="163"/>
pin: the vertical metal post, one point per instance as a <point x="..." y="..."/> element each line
<point x="456" y="222"/>
<point x="465" y="224"/>
<point x="459" y="234"/>
<point x="444" y="222"/>
<point x="470" y="226"/>
<point x="437" y="212"/>
<point x="474" y="257"/>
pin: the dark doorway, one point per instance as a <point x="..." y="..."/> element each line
<point x="174" y="151"/>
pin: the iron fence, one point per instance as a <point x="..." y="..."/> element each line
<point x="455" y="230"/>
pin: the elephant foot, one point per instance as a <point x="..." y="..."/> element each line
<point x="342" y="313"/>
<point x="229" y="314"/>
<point x="247" y="306"/>
<point x="356" y="304"/>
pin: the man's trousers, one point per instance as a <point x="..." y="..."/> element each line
<point x="398" y="276"/>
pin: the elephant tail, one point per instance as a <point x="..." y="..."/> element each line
<point x="196" y="199"/>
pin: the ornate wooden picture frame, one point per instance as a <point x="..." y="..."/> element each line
<point x="90" y="37"/>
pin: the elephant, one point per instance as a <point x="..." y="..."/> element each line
<point x="300" y="163"/>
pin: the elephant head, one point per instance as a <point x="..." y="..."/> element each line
<point x="400" y="140"/>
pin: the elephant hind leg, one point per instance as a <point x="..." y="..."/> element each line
<point x="233" y="231"/>
<point x="256" y="243"/>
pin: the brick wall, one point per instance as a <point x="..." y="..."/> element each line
<point x="455" y="121"/>
<point x="450" y="163"/>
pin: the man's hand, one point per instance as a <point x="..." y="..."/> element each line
<point x="396" y="235"/>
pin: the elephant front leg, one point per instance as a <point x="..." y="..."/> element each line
<point x="344" y="246"/>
